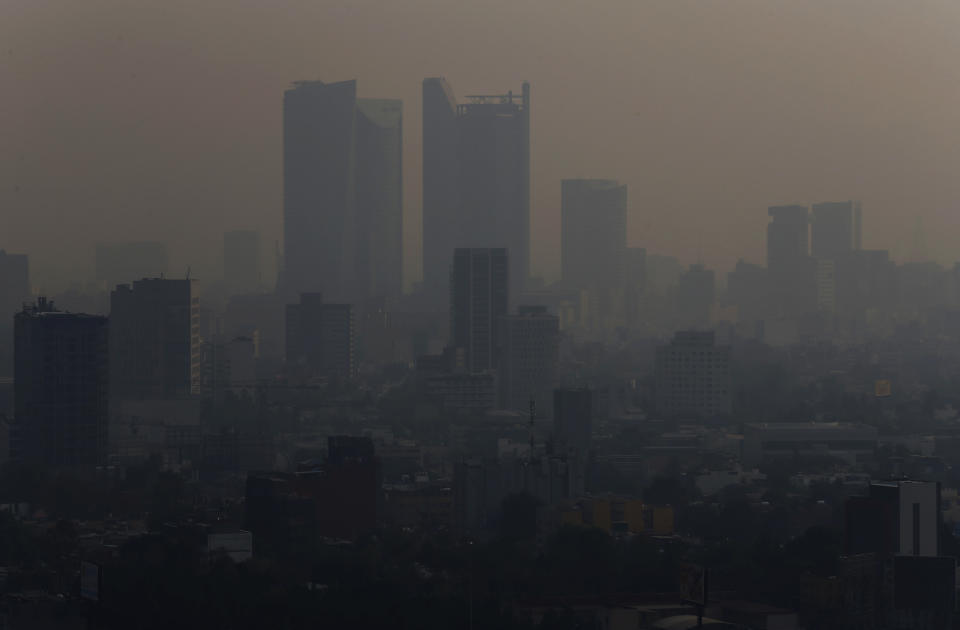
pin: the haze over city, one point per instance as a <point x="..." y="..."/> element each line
<point x="139" y="120"/>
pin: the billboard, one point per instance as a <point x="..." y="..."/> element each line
<point x="693" y="584"/>
<point x="883" y="388"/>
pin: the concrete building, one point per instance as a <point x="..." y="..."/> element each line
<point x="320" y="337"/>
<point x="787" y="441"/>
<point x="593" y="242"/>
<point x="476" y="178"/>
<point x="791" y="270"/>
<point x="241" y="261"/>
<point x="693" y="376"/>
<point x="896" y="518"/>
<point x="60" y="388"/>
<point x="343" y="203"/>
<point x="529" y="357"/>
<point x="154" y="340"/>
<point x="479" y="294"/>
<point x="118" y="263"/>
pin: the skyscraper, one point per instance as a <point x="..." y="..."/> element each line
<point x="834" y="230"/>
<point x="476" y="178"/>
<point x="696" y="292"/>
<point x="479" y="296"/>
<point x="530" y="343"/>
<point x="60" y="388"/>
<point x="241" y="261"/>
<point x="594" y="232"/>
<point x="343" y="205"/>
<point x="791" y="270"/>
<point x="154" y="340"/>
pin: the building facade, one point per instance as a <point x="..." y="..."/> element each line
<point x="60" y="388"/>
<point x="693" y="377"/>
<point x="479" y="294"/>
<point x="476" y="178"/>
<point x="529" y="357"/>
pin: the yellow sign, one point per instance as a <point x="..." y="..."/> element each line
<point x="883" y="388"/>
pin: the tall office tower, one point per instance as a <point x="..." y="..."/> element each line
<point x="241" y="261"/>
<point x="476" y="178"/>
<point x="695" y="295"/>
<point x="60" y="388"/>
<point x="593" y="232"/>
<point x="479" y="294"/>
<point x="529" y="354"/>
<point x="834" y="229"/>
<point x="14" y="291"/>
<point x="746" y="290"/>
<point x="692" y="377"/>
<point x="320" y="337"/>
<point x="791" y="270"/>
<point x="117" y="263"/>
<point x="635" y="283"/>
<point x="154" y="340"/>
<point x="342" y="195"/>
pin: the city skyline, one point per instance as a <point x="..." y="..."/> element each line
<point x="861" y="150"/>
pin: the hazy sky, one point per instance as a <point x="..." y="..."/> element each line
<point x="126" y="119"/>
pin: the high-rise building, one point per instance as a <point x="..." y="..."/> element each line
<point x="117" y="263"/>
<point x="476" y="178"/>
<point x="529" y="354"/>
<point x="60" y="388"/>
<point x="343" y="202"/>
<point x="692" y="376"/>
<point x="834" y="229"/>
<point x="791" y="270"/>
<point x="479" y="294"/>
<point x="154" y="340"/>
<point x="594" y="232"/>
<point x="241" y="261"/>
<point x="320" y="337"/>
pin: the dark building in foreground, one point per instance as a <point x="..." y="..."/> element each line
<point x="342" y="192"/>
<point x="529" y="356"/>
<point x="335" y="499"/>
<point x="476" y="178"/>
<point x="479" y="296"/>
<point x="60" y="388"/>
<point x="154" y="340"/>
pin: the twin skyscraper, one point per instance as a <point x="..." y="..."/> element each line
<point x="343" y="191"/>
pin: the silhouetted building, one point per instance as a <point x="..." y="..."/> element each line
<point x="117" y="263"/>
<point x="593" y="232"/>
<point x="154" y="340"/>
<point x="343" y="207"/>
<point x="476" y="178"/>
<point x="60" y="388"/>
<point x="693" y="376"/>
<point x="791" y="270"/>
<point x="479" y="295"/>
<point x="897" y="518"/>
<point x="320" y="337"/>
<point x="335" y="499"/>
<point x="747" y="291"/>
<point x="834" y="230"/>
<point x="798" y="441"/>
<point x="529" y="358"/>
<point x="241" y="261"/>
